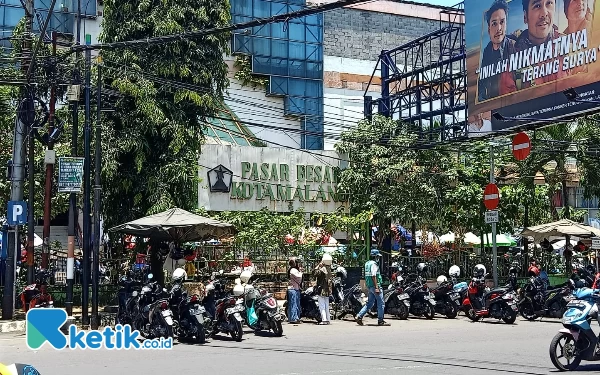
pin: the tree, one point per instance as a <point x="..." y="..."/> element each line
<point x="153" y="139"/>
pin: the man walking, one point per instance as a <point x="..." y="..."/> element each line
<point x="373" y="281"/>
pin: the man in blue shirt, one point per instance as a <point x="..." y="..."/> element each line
<point x="373" y="280"/>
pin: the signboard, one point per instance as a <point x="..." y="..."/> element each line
<point x="491" y="196"/>
<point x="491" y="217"/>
<point x="596" y="243"/>
<point x="245" y="178"/>
<point x="70" y="174"/>
<point x="519" y="66"/>
<point x="17" y="213"/>
<point x="521" y="146"/>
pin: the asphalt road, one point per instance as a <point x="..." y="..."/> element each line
<point x="413" y="347"/>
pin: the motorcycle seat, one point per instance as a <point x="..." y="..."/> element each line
<point x="495" y="290"/>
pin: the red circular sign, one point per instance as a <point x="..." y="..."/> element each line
<point x="491" y="196"/>
<point x="521" y="146"/>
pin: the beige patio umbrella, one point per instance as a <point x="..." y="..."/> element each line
<point x="176" y="225"/>
<point x="559" y="228"/>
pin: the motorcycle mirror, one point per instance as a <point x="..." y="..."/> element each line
<point x="164" y="289"/>
<point x="135" y="293"/>
<point x="150" y="276"/>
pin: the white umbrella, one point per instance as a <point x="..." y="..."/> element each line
<point x="558" y="245"/>
<point x="472" y="239"/>
<point x="448" y="238"/>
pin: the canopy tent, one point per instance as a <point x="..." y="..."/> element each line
<point x="448" y="238"/>
<point x="562" y="227"/>
<point x="419" y="236"/>
<point x="502" y="240"/>
<point x="472" y="239"/>
<point x="176" y="225"/>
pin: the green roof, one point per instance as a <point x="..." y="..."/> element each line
<point x="227" y="128"/>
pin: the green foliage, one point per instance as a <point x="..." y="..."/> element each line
<point x="153" y="139"/>
<point x="245" y="75"/>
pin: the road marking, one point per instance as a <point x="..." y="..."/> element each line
<point x="347" y="371"/>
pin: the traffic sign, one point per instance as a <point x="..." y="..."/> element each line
<point x="521" y="146"/>
<point x="491" y="196"/>
<point x="70" y="174"/>
<point x="596" y="243"/>
<point x="17" y="213"/>
<point x="491" y="217"/>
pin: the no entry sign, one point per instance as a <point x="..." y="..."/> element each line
<point x="521" y="146"/>
<point x="491" y="196"/>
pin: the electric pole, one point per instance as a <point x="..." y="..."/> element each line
<point x="18" y="170"/>
<point x="49" y="167"/>
<point x="73" y="196"/>
<point x="87" y="222"/>
<point x="97" y="194"/>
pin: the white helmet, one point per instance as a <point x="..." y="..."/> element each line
<point x="238" y="290"/>
<point x="422" y="267"/>
<point x="179" y="275"/>
<point x="441" y="279"/>
<point x="454" y="271"/>
<point x="327" y="259"/>
<point x="479" y="270"/>
<point x="245" y="276"/>
<point x="209" y="287"/>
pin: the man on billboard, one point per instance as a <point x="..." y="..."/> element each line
<point x="579" y="16"/>
<point x="539" y="17"/>
<point x="500" y="47"/>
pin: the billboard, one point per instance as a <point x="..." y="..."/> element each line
<point x="522" y="55"/>
<point x="246" y="178"/>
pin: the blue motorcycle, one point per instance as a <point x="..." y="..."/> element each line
<point x="577" y="341"/>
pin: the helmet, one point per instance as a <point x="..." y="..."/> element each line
<point x="454" y="271"/>
<point x="421" y="267"/>
<point x="238" y="290"/>
<point x="327" y="259"/>
<point x="179" y="275"/>
<point x="245" y="276"/>
<point x="341" y="272"/>
<point x="209" y="287"/>
<point x="533" y="271"/>
<point x="479" y="270"/>
<point x="441" y="279"/>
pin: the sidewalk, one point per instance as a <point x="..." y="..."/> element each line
<point x="18" y="323"/>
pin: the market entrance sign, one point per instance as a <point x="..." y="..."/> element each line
<point x="70" y="173"/>
<point x="241" y="178"/>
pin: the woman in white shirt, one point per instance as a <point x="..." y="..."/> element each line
<point x="294" y="290"/>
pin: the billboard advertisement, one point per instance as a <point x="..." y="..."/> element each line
<point x="522" y="55"/>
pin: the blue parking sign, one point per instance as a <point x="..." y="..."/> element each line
<point x="17" y="213"/>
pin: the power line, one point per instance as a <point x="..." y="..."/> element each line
<point x="217" y="30"/>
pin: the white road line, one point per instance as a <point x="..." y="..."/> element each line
<point x="370" y="369"/>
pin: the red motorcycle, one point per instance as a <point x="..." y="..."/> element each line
<point x="498" y="303"/>
<point x="36" y="295"/>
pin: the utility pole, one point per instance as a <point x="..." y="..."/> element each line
<point x="18" y="173"/>
<point x="30" y="216"/>
<point x="494" y="248"/>
<point x="73" y="196"/>
<point x="97" y="193"/>
<point x="49" y="168"/>
<point x="87" y="224"/>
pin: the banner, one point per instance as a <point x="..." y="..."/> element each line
<point x="522" y="55"/>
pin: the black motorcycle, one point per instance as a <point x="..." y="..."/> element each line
<point x="222" y="311"/>
<point x="537" y="299"/>
<point x="154" y="317"/>
<point x="447" y="300"/>
<point x="309" y="305"/>
<point x="188" y="315"/>
<point x="396" y="302"/>
<point x="346" y="301"/>
<point x="422" y="301"/>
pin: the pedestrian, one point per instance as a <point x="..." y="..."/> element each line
<point x="323" y="274"/>
<point x="294" y="290"/>
<point x="373" y="280"/>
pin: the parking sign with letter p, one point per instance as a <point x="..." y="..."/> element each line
<point x="17" y="212"/>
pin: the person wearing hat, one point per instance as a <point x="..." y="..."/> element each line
<point x="373" y="281"/>
<point x="323" y="274"/>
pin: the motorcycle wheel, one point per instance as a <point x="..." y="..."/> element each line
<point x="237" y="332"/>
<point x="403" y="312"/>
<point x="471" y="315"/>
<point x="277" y="328"/>
<point x="429" y="311"/>
<point x="526" y="311"/>
<point x="200" y="334"/>
<point x="510" y="319"/>
<point x="451" y="310"/>
<point x="566" y="352"/>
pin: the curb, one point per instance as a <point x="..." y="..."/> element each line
<point x="15" y="326"/>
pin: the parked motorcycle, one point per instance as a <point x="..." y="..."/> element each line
<point x="396" y="301"/>
<point x="309" y="305"/>
<point x="36" y="295"/>
<point x="228" y="318"/>
<point x="188" y="313"/>
<point x="498" y="303"/>
<point x="344" y="301"/>
<point x="128" y="296"/>
<point x="154" y="317"/>
<point x="577" y="341"/>
<point x="537" y="299"/>
<point x="261" y="310"/>
<point x="447" y="301"/>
